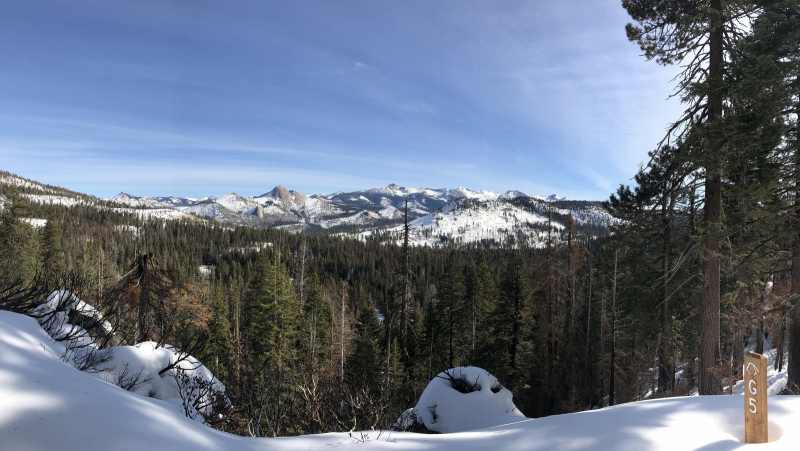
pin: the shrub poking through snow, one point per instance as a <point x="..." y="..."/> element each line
<point x="79" y="327"/>
<point x="201" y="396"/>
<point x="462" y="399"/>
<point x="155" y="370"/>
<point x="497" y="386"/>
<point x="460" y="383"/>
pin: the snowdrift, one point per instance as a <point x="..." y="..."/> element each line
<point x="46" y="404"/>
<point x="137" y="368"/>
<point x="465" y="399"/>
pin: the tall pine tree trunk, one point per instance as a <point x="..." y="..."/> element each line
<point x="663" y="352"/>
<point x="709" y="342"/>
<point x="611" y="387"/>
<point x="588" y="322"/>
<point x="602" y="346"/>
<point x="793" y="365"/>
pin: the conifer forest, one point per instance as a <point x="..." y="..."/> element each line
<point x="321" y="332"/>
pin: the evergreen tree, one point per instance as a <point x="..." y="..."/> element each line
<point x="698" y="33"/>
<point x="764" y="131"/>
<point x="271" y="311"/>
<point x="509" y="317"/>
<point x="318" y="317"/>
<point x="452" y="316"/>
<point x="18" y="244"/>
<point x="480" y="298"/>
<point x="220" y="339"/>
<point x="364" y="365"/>
<point x="52" y="252"/>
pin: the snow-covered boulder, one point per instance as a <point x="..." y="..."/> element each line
<point x="147" y="369"/>
<point x="65" y="317"/>
<point x="465" y="399"/>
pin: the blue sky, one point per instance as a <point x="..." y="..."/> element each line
<point x="200" y="98"/>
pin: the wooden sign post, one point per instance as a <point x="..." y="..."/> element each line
<point x="755" y="398"/>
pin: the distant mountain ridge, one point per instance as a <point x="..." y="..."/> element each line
<point x="373" y="196"/>
<point x="437" y="216"/>
<point x="292" y="209"/>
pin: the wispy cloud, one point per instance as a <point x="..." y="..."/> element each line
<point x="357" y="66"/>
<point x="539" y="96"/>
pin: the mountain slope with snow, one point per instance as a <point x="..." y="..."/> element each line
<point x="500" y="222"/>
<point x="42" y="194"/>
<point x="440" y="216"/>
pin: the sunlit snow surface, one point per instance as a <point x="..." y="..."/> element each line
<point x="776" y="380"/>
<point x="444" y="409"/>
<point x="48" y="405"/>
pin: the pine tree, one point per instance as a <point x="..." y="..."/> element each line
<point x="18" y="244"/>
<point x="144" y="298"/>
<point x="674" y="31"/>
<point x="270" y="311"/>
<point x="509" y="316"/>
<point x="765" y="124"/>
<point x="52" y="252"/>
<point x="318" y="317"/>
<point x="364" y="365"/>
<point x="220" y="339"/>
<point x="452" y="314"/>
<point x="480" y="297"/>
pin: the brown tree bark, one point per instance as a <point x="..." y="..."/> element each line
<point x="793" y="365"/>
<point x="611" y="388"/>
<point x="663" y="349"/>
<point x="709" y="342"/>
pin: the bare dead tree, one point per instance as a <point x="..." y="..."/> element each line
<point x="143" y="297"/>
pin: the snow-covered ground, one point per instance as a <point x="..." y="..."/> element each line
<point x="776" y="380"/>
<point x="17" y="181"/>
<point x="37" y="223"/>
<point x="133" y="230"/>
<point x="55" y="200"/>
<point x="468" y="222"/>
<point x="49" y="405"/>
<point x="151" y="214"/>
<point x="489" y="221"/>
<point x="206" y="270"/>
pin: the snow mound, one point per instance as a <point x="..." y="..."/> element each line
<point x="62" y="314"/>
<point x="465" y="399"/>
<point x="147" y="369"/>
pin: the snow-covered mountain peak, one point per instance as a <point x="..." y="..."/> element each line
<point x="441" y="215"/>
<point x="285" y="196"/>
<point x="124" y="196"/>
